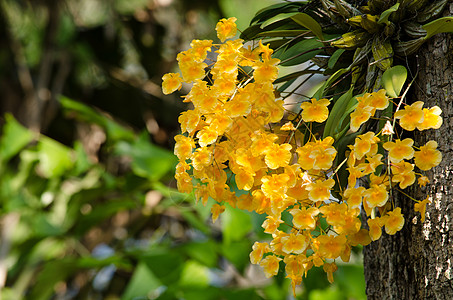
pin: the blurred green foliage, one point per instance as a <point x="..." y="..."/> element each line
<point x="88" y="207"/>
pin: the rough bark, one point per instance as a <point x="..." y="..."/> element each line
<point x="416" y="263"/>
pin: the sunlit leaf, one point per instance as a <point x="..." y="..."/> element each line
<point x="194" y="274"/>
<point x="14" y="138"/>
<point x="309" y="23"/>
<point x="143" y="282"/>
<point x="440" y="25"/>
<point x="279" y="17"/>
<point x="393" y="80"/>
<point x="54" y="157"/>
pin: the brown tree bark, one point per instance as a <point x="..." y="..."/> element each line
<point x="417" y="262"/>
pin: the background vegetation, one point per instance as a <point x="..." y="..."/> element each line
<point x="88" y="206"/>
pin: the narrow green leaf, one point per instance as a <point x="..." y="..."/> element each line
<point x="342" y="145"/>
<point x="300" y="52"/>
<point x="351" y="106"/>
<point x="296" y="75"/>
<point x="273" y="10"/>
<point x="279" y="17"/>
<point x="440" y="25"/>
<point x="251" y="32"/>
<point x="320" y="92"/>
<point x="286" y="85"/>
<point x="85" y="113"/>
<point x="334" y="58"/>
<point x="393" y="80"/>
<point x="282" y="33"/>
<point x="336" y="113"/>
<point x="309" y="23"/>
<point x="384" y="18"/>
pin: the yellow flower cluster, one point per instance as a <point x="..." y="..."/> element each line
<point x="231" y="135"/>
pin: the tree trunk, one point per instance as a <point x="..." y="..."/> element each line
<point x="417" y="262"/>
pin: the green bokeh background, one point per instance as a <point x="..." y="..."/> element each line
<point x="88" y="205"/>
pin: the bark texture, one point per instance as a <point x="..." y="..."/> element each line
<point x="417" y="263"/>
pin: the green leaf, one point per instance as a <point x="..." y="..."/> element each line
<point x="204" y="252"/>
<point x="236" y="224"/>
<point x="342" y="175"/>
<point x="194" y="220"/>
<point x="336" y="114"/>
<point x="83" y="162"/>
<point x="251" y="32"/>
<point x="143" y="282"/>
<point x="330" y="293"/>
<point x="148" y="160"/>
<point x="54" y="158"/>
<point x="90" y="262"/>
<point x="84" y="113"/>
<point x="194" y="274"/>
<point x="309" y="23"/>
<point x="52" y="273"/>
<point x="440" y="25"/>
<point x="101" y="212"/>
<point x="43" y="227"/>
<point x="282" y="33"/>
<point x="334" y="58"/>
<point x="273" y="10"/>
<point x="431" y="10"/>
<point x="279" y="17"/>
<point x="14" y="138"/>
<point x="246" y="294"/>
<point x="166" y="266"/>
<point x="238" y="253"/>
<point x="286" y="85"/>
<point x="393" y="80"/>
<point x="350" y="279"/>
<point x="299" y="53"/>
<point x="384" y="18"/>
<point x="296" y="75"/>
<point x="351" y="106"/>
<point x="325" y="86"/>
